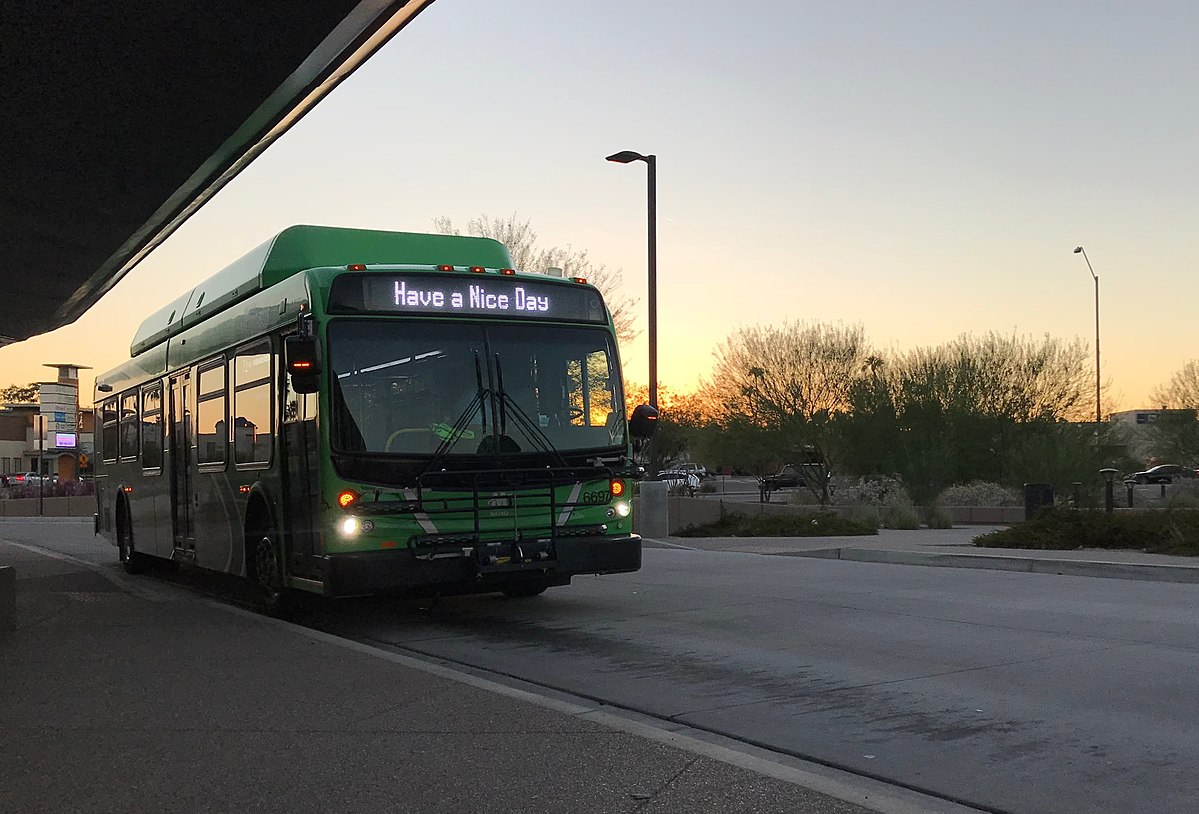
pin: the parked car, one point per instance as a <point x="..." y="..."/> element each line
<point x="675" y="478"/>
<point x="1162" y="473"/>
<point x="789" y="475"/>
<point x="699" y="470"/>
<point x="25" y="479"/>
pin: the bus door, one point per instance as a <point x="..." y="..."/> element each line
<point x="298" y="439"/>
<point x="182" y="487"/>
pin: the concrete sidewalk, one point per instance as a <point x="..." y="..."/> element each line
<point x="954" y="548"/>
<point x="130" y="694"/>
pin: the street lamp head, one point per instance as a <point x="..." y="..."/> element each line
<point x="625" y="157"/>
<point x="1077" y="249"/>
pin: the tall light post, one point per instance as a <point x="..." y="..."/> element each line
<point x="651" y="162"/>
<point x="1098" y="412"/>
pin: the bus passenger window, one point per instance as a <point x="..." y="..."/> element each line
<point x="108" y="433"/>
<point x="129" y="426"/>
<point x="252" y="428"/>
<point x="152" y="427"/>
<point x="212" y="434"/>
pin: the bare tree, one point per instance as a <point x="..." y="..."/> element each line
<point x="1013" y="377"/>
<point x="1182" y="391"/>
<point x="795" y="372"/>
<point x="521" y="241"/>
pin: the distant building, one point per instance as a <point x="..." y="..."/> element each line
<point x="67" y="433"/>
<point x="1139" y="425"/>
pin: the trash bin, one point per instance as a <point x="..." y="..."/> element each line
<point x="1036" y="496"/>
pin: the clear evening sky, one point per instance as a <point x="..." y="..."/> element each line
<point x="924" y="168"/>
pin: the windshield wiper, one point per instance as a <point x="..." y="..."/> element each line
<point x="531" y="431"/>
<point x="456" y="432"/>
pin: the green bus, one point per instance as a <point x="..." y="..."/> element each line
<point x="351" y="412"/>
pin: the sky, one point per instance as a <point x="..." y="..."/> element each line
<point x="922" y="168"/>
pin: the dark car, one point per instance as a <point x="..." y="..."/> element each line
<point x="1163" y="473"/>
<point x="789" y="475"/>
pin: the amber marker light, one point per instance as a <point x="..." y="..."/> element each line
<point x="478" y="269"/>
<point x="347" y="498"/>
<point x="356" y="267"/>
<point x="128" y="489"/>
<point x="507" y="272"/>
<point x="580" y="280"/>
<point x="617" y="487"/>
<point x="445" y="267"/>
<point x="245" y="490"/>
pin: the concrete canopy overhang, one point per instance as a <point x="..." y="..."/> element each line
<point x="121" y="119"/>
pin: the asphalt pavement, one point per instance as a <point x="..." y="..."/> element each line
<point x="122" y="693"/>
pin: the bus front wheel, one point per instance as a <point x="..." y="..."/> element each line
<point x="272" y="596"/>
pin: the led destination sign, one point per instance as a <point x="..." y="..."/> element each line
<point x="478" y="295"/>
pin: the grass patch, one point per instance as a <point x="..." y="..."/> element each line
<point x="735" y="524"/>
<point x="1155" y="532"/>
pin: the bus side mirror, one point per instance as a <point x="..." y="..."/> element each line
<point x="643" y="422"/>
<point x="302" y="356"/>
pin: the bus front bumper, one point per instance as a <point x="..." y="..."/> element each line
<point x="408" y="571"/>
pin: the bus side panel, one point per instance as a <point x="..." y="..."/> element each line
<point x="218" y="523"/>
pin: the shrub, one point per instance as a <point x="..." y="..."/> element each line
<point x="979" y="493"/>
<point x="936" y="517"/>
<point x="900" y="517"/>
<point x="1156" y="531"/>
<point x="734" y="524"/>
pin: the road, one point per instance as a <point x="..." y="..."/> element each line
<point x="1006" y="691"/>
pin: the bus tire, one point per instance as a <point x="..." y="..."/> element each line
<point x="130" y="559"/>
<point x="274" y="599"/>
<point x="520" y="590"/>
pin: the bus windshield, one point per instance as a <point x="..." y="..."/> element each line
<point x="408" y="388"/>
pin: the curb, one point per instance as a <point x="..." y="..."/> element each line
<point x="1029" y="565"/>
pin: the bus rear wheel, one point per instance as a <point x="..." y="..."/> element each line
<point x="130" y="559"/>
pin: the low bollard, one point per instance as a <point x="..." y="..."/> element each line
<point x="8" y="598"/>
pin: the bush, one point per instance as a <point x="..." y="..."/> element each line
<point x="900" y="517"/>
<point x="1163" y="531"/>
<point x="935" y="517"/>
<point x="979" y="493"/>
<point x="891" y="502"/>
<point x="821" y="524"/>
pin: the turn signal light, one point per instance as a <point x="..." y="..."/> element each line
<point x="347" y="498"/>
<point x="617" y="488"/>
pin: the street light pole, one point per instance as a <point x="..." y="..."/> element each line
<point x="1098" y="412"/>
<point x="651" y="163"/>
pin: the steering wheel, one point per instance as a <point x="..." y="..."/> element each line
<point x="391" y="438"/>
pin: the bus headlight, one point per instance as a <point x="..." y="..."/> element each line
<point x="351" y="526"/>
<point x="622" y="508"/>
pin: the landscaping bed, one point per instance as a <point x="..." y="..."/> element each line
<point x="1163" y="531"/>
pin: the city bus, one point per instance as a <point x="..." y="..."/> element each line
<point x="351" y="412"/>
